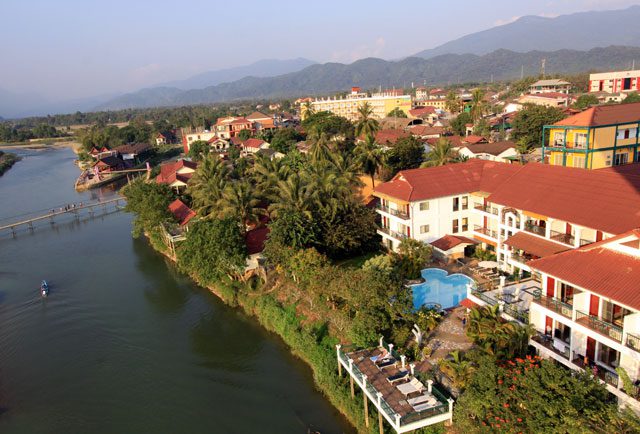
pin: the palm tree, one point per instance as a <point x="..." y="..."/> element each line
<point x="308" y="110"/>
<point x="366" y="124"/>
<point x="207" y="184"/>
<point x="453" y="102"/>
<point x="458" y="370"/>
<point x="320" y="151"/>
<point x="478" y="105"/>
<point x="442" y="153"/>
<point x="368" y="155"/>
<point x="238" y="200"/>
<point x="267" y="173"/>
<point x="293" y="194"/>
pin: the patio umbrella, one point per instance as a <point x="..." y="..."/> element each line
<point x="488" y="264"/>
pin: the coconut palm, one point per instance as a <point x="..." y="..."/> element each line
<point x="320" y="151"/>
<point x="368" y="156"/>
<point x="207" y="184"/>
<point x="308" y="110"/>
<point x="442" y="153"/>
<point x="366" y="124"/>
<point x="295" y="194"/>
<point x="478" y="106"/>
<point x="267" y="173"/>
<point x="239" y="200"/>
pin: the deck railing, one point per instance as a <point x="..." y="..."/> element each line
<point x="535" y="229"/>
<point x="394" y="234"/>
<point x="551" y="303"/>
<point x="563" y="238"/>
<point x="486" y="208"/>
<point x="394" y="212"/>
<point x="484" y="297"/>
<point x="633" y="341"/>
<point x="597" y="324"/>
<point x="485" y="231"/>
<point x="521" y="316"/>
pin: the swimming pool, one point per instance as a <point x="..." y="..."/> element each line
<point x="447" y="290"/>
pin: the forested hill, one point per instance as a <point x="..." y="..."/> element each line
<point x="326" y="78"/>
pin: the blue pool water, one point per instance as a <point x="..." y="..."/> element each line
<point x="440" y="287"/>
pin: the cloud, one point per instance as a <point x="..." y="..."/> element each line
<point x="374" y="49"/>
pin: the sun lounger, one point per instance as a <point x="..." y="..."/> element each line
<point x="385" y="363"/>
<point x="420" y="399"/>
<point x="426" y="405"/>
<point x="399" y="376"/>
<point x="411" y="387"/>
<point x="384" y="354"/>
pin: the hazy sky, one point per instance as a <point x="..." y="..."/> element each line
<point x="78" y="48"/>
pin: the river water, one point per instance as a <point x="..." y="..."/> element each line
<point x="125" y="343"/>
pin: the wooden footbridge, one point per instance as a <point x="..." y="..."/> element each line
<point x="89" y="208"/>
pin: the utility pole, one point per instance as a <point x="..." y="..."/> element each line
<point x="542" y="67"/>
<point x="522" y="72"/>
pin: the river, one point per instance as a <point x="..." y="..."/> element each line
<point x="125" y="343"/>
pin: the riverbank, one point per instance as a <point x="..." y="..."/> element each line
<point x="7" y="160"/>
<point x="315" y="349"/>
<point x="45" y="144"/>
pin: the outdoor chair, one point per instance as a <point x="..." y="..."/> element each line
<point x="426" y="405"/>
<point x="399" y="376"/>
<point x="420" y="399"/>
<point x="385" y="363"/>
<point x="411" y="387"/>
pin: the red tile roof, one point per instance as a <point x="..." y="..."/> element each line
<point x="599" y="269"/>
<point x="422" y="184"/>
<point x="604" y="115"/>
<point x="598" y="199"/>
<point x="390" y="136"/>
<point x="253" y="143"/>
<point x="551" y="95"/>
<point x="257" y="115"/>
<point x="168" y="171"/>
<point x="181" y="212"/>
<point x="468" y="304"/>
<point x="534" y="245"/>
<point x="450" y="241"/>
<point x="472" y="139"/>
<point x="426" y="130"/>
<point x="422" y="111"/>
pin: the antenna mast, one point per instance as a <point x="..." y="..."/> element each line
<point x="542" y="67"/>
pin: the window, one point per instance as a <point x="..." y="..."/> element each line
<point x="456" y="203"/>
<point x="465" y="224"/>
<point x="465" y="202"/>
<point x="578" y="161"/>
<point x="581" y="140"/>
<point x="558" y="138"/>
<point x="626" y="133"/>
<point x="424" y="229"/>
<point x="557" y="160"/>
<point x="424" y="206"/>
<point x="620" y="159"/>
<point x="454" y="225"/>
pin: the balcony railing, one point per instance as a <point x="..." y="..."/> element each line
<point x="394" y="234"/>
<point x="520" y="258"/>
<point x="563" y="238"/>
<point x="584" y="242"/>
<point x="485" y="231"/>
<point x="633" y="341"/>
<point x="597" y="324"/>
<point x="394" y="212"/>
<point x="535" y="229"/>
<point x="555" y="305"/>
<point x="484" y="297"/>
<point x="486" y="208"/>
<point x="548" y="343"/>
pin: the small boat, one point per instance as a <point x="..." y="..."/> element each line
<point x="44" y="288"/>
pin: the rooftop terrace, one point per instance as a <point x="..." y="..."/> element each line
<point x="391" y="386"/>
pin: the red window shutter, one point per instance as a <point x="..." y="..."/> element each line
<point x="551" y="285"/>
<point x="594" y="305"/>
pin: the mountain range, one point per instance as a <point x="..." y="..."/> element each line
<point x="371" y="73"/>
<point x="569" y="43"/>
<point x="578" y="31"/>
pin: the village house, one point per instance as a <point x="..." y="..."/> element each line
<point x="615" y="82"/>
<point x="548" y="99"/>
<point x="176" y="174"/>
<point x="550" y="86"/>
<point x="503" y="152"/>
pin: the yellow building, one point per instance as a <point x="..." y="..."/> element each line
<point x="598" y="137"/>
<point x="381" y="103"/>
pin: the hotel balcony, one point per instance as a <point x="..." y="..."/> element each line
<point x="594" y="323"/>
<point x="486" y="209"/>
<point x="394" y="212"/>
<point x="559" y="350"/>
<point x="633" y="342"/>
<point x="562" y="238"/>
<point x="392" y="234"/>
<point x="555" y="305"/>
<point x="535" y="229"/>
<point x="485" y="232"/>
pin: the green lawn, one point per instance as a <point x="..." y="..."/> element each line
<point x="357" y="261"/>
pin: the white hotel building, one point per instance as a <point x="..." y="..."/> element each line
<point x="572" y="229"/>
